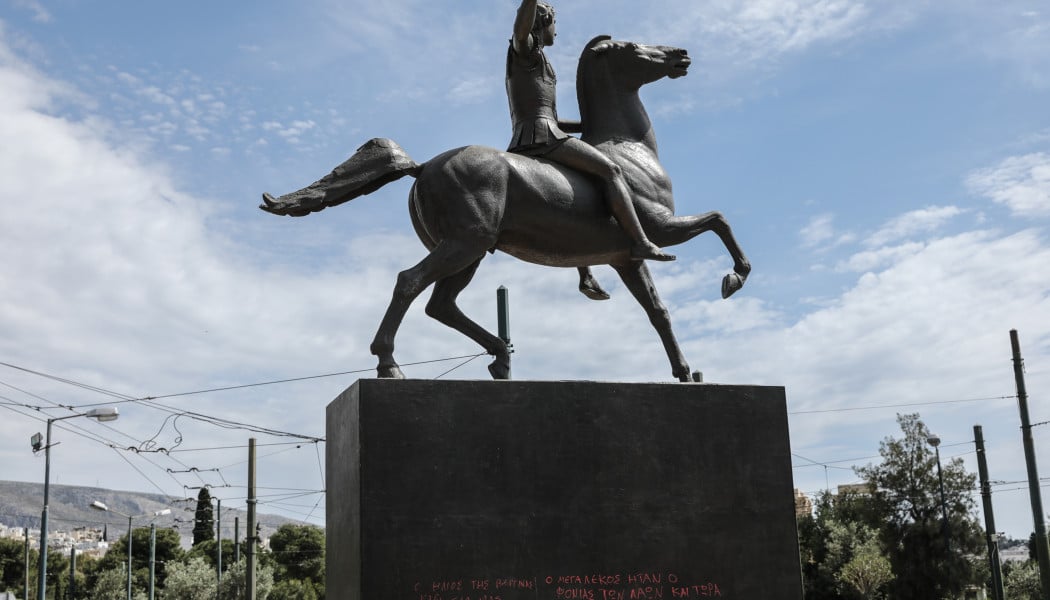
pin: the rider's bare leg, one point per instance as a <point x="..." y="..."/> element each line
<point x="582" y="156"/>
<point x="589" y="286"/>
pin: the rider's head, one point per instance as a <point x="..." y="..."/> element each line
<point x="543" y="26"/>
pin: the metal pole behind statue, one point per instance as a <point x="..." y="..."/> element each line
<point x="989" y="516"/>
<point x="1042" y="551"/>
<point x="503" y="317"/>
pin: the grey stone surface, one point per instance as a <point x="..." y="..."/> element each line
<point x="579" y="490"/>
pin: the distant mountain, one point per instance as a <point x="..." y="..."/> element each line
<point x="70" y="507"/>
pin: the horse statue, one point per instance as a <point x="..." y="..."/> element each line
<point x="472" y="200"/>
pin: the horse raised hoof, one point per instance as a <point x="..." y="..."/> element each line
<point x="731" y="283"/>
<point x="389" y="372"/>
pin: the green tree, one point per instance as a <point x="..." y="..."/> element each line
<point x="294" y="589"/>
<point x="298" y="551"/>
<point x="868" y="571"/>
<point x="828" y="540"/>
<point x="112" y="584"/>
<point x="167" y="550"/>
<point x="203" y="518"/>
<point x="233" y="582"/>
<point x="1022" y="582"/>
<point x="206" y="551"/>
<point x="12" y="564"/>
<point x="191" y="579"/>
<point x="929" y="560"/>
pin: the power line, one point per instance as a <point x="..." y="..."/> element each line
<point x="878" y="407"/>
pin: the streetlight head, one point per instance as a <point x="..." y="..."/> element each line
<point x="37" y="441"/>
<point x="99" y="506"/>
<point x="104" y="413"/>
<point x="933" y="441"/>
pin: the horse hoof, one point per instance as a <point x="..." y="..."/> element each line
<point x="500" y="369"/>
<point x="731" y="283"/>
<point x="389" y="372"/>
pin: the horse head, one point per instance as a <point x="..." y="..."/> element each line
<point x="631" y="64"/>
<point x="608" y="78"/>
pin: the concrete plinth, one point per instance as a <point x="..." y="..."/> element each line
<point x="513" y="490"/>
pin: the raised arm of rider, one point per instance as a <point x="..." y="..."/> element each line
<point x="523" y="24"/>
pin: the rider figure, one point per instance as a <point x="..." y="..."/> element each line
<point x="538" y="132"/>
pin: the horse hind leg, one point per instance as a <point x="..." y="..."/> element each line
<point x="442" y="307"/>
<point x="446" y="259"/>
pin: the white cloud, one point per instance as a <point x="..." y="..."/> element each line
<point x="40" y="13"/>
<point x="820" y="231"/>
<point x="1021" y="183"/>
<point x="869" y="260"/>
<point x="924" y="220"/>
<point x="470" y="91"/>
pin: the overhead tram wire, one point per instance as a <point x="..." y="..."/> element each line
<point x="84" y="432"/>
<point x="236" y="447"/>
<point x="126" y="398"/>
<point x="903" y="405"/>
<point x="81" y="431"/>
<point x="151" y="400"/>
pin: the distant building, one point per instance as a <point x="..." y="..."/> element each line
<point x="803" y="505"/>
<point x="863" y="488"/>
<point x="1015" y="554"/>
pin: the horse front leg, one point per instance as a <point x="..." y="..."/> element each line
<point x="639" y="281"/>
<point x="671" y="230"/>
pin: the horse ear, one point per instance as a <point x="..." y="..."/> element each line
<point x="598" y="44"/>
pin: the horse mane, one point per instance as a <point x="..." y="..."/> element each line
<point x="583" y="73"/>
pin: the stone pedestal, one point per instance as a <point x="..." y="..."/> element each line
<point x="515" y="490"/>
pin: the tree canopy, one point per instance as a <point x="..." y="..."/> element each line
<point x="891" y="539"/>
<point x="203" y="518"/>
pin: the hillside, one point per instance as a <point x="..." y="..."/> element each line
<point x="70" y="507"/>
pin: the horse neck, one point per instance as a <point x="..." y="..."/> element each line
<point x="611" y="110"/>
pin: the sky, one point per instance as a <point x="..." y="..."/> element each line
<point x="885" y="165"/>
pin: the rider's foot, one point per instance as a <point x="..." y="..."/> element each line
<point x="589" y="287"/>
<point x="648" y="250"/>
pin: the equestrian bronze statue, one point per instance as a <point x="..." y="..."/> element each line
<point x="472" y="200"/>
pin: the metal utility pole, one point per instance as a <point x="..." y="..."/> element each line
<point x="237" y="550"/>
<point x="130" y="532"/>
<point x="989" y="517"/>
<point x="152" y="558"/>
<point x="251" y="538"/>
<point x="503" y="317"/>
<point x="1042" y="551"/>
<point x="935" y="441"/>
<point x="218" y="546"/>
<point x="25" y="532"/>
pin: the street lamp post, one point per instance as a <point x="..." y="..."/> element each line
<point x="935" y="441"/>
<point x="100" y="506"/>
<point x="107" y="413"/>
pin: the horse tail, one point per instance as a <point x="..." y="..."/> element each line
<point x="375" y="164"/>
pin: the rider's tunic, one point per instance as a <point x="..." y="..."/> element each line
<point x="531" y="92"/>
